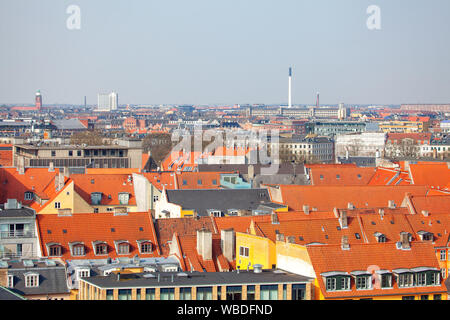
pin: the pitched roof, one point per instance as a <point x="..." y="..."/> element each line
<point x="368" y="257"/>
<point x="430" y="174"/>
<point x="389" y="177"/>
<point x="326" y="198"/>
<point x="345" y="175"/>
<point x="110" y="185"/>
<point x="91" y="227"/>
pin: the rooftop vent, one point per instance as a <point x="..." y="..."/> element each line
<point x="391" y="204"/>
<point x="257" y="268"/>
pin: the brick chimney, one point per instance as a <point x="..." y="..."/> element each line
<point x="274" y="218"/>
<point x="204" y="244"/>
<point x="21" y="165"/>
<point x="306" y="209"/>
<point x="381" y="212"/>
<point x="51" y="167"/>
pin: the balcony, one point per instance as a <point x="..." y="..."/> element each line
<point x="16" y="234"/>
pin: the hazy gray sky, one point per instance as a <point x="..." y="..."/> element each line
<point x="233" y="51"/>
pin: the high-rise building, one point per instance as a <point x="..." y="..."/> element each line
<point x="38" y="100"/>
<point x="107" y="102"/>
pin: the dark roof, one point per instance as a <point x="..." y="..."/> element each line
<point x="52" y="279"/>
<point x="188" y="279"/>
<point x="6" y="294"/>
<point x="283" y="168"/>
<point x="219" y="199"/>
<point x="16" y="213"/>
<point x="359" y="161"/>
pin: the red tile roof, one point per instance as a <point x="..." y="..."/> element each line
<point x="430" y="174"/>
<point x="389" y="177"/>
<point x="349" y="176"/>
<point x="110" y="185"/>
<point x="90" y="227"/>
<point x="326" y="198"/>
<point x="371" y="257"/>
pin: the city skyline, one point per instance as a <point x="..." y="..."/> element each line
<point x="234" y="53"/>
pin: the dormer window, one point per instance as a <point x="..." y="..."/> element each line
<point x="54" y="249"/>
<point x="31" y="280"/>
<point x="386" y="280"/>
<point x="363" y="282"/>
<point x="336" y="281"/>
<point x="83" y="273"/>
<point x="124" y="248"/>
<point x="28" y="195"/>
<point x="100" y="248"/>
<point x="215" y="213"/>
<point x="96" y="198"/>
<point x="381" y="238"/>
<point x="77" y="249"/>
<point x="426" y="236"/>
<point x="124" y="198"/>
<point x="145" y="246"/>
<point x="10" y="281"/>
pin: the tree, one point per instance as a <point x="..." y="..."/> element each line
<point x="159" y="145"/>
<point x="90" y="138"/>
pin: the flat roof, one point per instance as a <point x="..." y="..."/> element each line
<point x="190" y="279"/>
<point x="62" y="147"/>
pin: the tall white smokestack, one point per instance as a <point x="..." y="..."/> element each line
<point x="290" y="88"/>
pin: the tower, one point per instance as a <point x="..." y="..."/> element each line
<point x="290" y="88"/>
<point x="38" y="100"/>
<point x="317" y="101"/>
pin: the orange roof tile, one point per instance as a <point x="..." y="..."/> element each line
<point x="110" y="185"/>
<point x="90" y="227"/>
<point x="321" y="176"/>
<point x="430" y="174"/>
<point x="379" y="256"/>
<point x="326" y="198"/>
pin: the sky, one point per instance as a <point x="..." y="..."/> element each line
<point x="225" y="52"/>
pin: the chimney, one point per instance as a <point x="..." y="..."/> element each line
<point x="60" y="182"/>
<point x="344" y="243"/>
<point x="251" y="172"/>
<point x="274" y="218"/>
<point x="306" y="209"/>
<point x="228" y="243"/>
<point x="350" y="206"/>
<point x="279" y="237"/>
<point x="66" y="172"/>
<point x="404" y="240"/>
<point x="204" y="244"/>
<point x="343" y="219"/>
<point x="291" y="239"/>
<point x="381" y="212"/>
<point x="425" y="213"/>
<point x="336" y="212"/>
<point x="391" y="204"/>
<point x="51" y="167"/>
<point x="21" y="165"/>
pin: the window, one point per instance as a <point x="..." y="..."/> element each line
<point x="443" y="255"/>
<point x="109" y="294"/>
<point x="424" y="297"/>
<point x="79" y="153"/>
<point x="124" y="248"/>
<point x="109" y="209"/>
<point x="420" y="279"/>
<point x="101" y="249"/>
<point x="70" y="153"/>
<point x="331" y="284"/>
<point x="146" y="247"/>
<point x="214" y="182"/>
<point x="155" y="198"/>
<point x="269" y="292"/>
<point x="386" y="281"/>
<point x="244" y="252"/>
<point x="53" y="153"/>
<point x="32" y="280"/>
<point x="437" y="297"/>
<point x="150" y="294"/>
<point x="184" y="182"/>
<point x="29" y="195"/>
<point x="10" y="281"/>
<point x="234" y="293"/>
<point x="57" y="205"/>
<point x="123" y="198"/>
<point x="250" y="292"/>
<point x="185" y="294"/>
<point x="345" y="283"/>
<point x="408" y="298"/>
<point x="78" y="250"/>
<point x="95" y="210"/>
<point x="167" y="294"/>
<point x="96" y="198"/>
<point x="83" y="273"/>
<point x="199" y="181"/>
<point x="363" y="282"/>
<point x="443" y="273"/>
<point x="55" y="251"/>
<point x="434" y="278"/>
<point x="124" y="294"/>
<point x="298" y="292"/>
<point x="204" y="293"/>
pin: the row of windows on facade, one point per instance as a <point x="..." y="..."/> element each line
<point x="267" y="292"/>
<point x="100" y="249"/>
<point x="96" y="198"/>
<point x="31" y="280"/>
<point x="88" y="153"/>
<point x="385" y="281"/>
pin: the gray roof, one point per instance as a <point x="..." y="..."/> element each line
<point x="52" y="279"/>
<point x="16" y="213"/>
<point x="188" y="279"/>
<point x="283" y="168"/>
<point x="219" y="199"/>
<point x="7" y="294"/>
<point x="69" y="124"/>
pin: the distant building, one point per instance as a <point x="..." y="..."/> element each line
<point x="126" y="154"/>
<point x="398" y="126"/>
<point x="363" y="144"/>
<point x="427" y="107"/>
<point x="333" y="128"/>
<point x="38" y="100"/>
<point x="107" y="102"/>
<point x="300" y="149"/>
